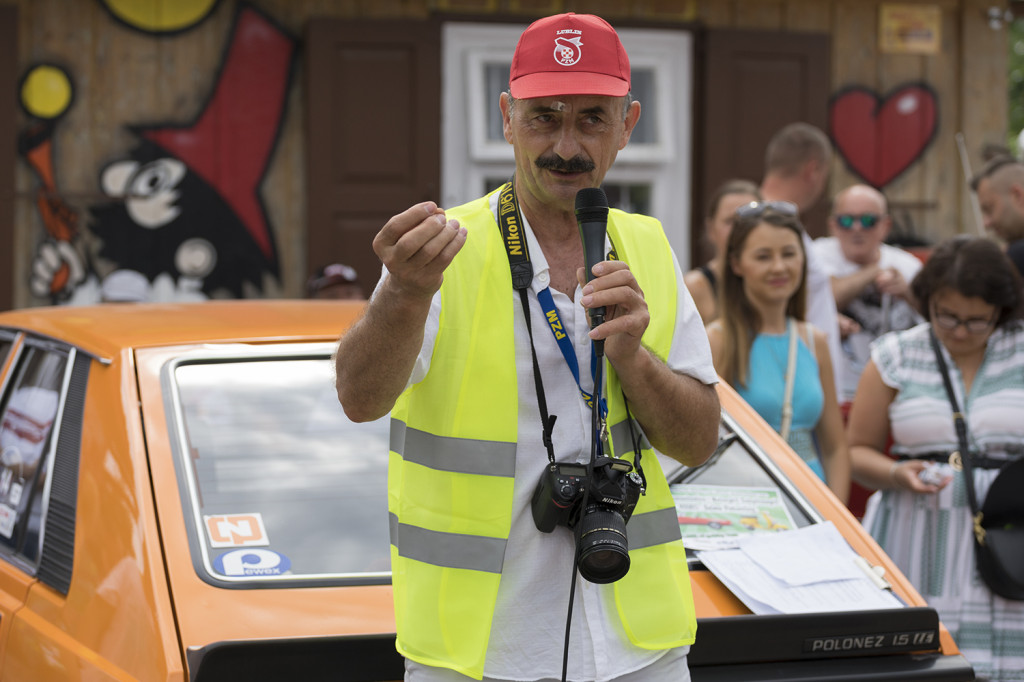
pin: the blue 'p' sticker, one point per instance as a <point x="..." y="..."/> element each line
<point x="251" y="562"/>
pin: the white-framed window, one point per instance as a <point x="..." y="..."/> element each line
<point x="651" y="175"/>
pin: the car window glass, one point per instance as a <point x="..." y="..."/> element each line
<point x="285" y="484"/>
<point x="740" y="463"/>
<point x="29" y="411"/>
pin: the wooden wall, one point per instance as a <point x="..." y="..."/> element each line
<point x="126" y="77"/>
<point x="968" y="75"/>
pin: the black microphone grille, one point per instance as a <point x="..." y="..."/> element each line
<point x="590" y="198"/>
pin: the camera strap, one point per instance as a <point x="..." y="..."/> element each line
<point x="511" y="224"/>
<point x="634" y="441"/>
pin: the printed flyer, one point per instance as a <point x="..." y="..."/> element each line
<point x="714" y="516"/>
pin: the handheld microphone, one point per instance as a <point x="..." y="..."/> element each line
<point x="592" y="219"/>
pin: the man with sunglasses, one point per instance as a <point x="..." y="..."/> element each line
<point x="870" y="279"/>
<point x="1000" y="189"/>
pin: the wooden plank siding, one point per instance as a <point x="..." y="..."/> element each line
<point x="122" y="77"/>
<point x="8" y="88"/>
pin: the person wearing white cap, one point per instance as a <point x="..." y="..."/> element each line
<point x="335" y="281"/>
<point x="480" y="332"/>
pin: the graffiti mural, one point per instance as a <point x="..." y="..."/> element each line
<point x="181" y="216"/>
<point x="186" y="204"/>
<point x="879" y="137"/>
<point x="160" y="16"/>
<point x="46" y="93"/>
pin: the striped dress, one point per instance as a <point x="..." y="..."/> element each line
<point x="929" y="536"/>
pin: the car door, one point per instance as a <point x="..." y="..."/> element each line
<point x="14" y="582"/>
<point x="32" y="383"/>
<point x="77" y="524"/>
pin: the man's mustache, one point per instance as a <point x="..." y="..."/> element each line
<point x="576" y="164"/>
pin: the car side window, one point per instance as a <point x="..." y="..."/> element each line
<point x="26" y="424"/>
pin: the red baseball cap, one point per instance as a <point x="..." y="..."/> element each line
<point x="569" y="54"/>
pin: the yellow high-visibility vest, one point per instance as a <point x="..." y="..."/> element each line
<point x="452" y="461"/>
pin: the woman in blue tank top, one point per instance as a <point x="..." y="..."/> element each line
<point x="760" y="333"/>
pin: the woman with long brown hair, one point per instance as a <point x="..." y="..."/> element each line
<point x="762" y="346"/>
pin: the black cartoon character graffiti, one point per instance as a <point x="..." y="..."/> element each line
<point x="186" y="212"/>
<point x="166" y="222"/>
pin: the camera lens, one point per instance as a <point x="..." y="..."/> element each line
<point x="604" y="551"/>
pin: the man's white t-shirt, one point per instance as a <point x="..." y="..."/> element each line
<point x="821" y="306"/>
<point x="828" y="251"/>
<point x="528" y="632"/>
<point x="873" y="312"/>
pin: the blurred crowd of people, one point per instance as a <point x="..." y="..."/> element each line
<point x="831" y="342"/>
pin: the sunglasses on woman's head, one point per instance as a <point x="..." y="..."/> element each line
<point x="757" y="208"/>
<point x="846" y="221"/>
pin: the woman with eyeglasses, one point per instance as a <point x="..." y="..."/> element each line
<point x="970" y="295"/>
<point x="703" y="281"/>
<point x="762" y="346"/>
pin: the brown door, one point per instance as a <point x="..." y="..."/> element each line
<point x="753" y="84"/>
<point x="8" y="136"/>
<point x="374" y="148"/>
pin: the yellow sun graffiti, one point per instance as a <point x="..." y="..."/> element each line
<point x="160" y="16"/>
<point x="46" y="91"/>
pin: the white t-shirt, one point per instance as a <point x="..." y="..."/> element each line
<point x="821" y="305"/>
<point x="528" y="633"/>
<point x="875" y="313"/>
<point x="829" y="253"/>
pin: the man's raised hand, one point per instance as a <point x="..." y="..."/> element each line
<point x="416" y="246"/>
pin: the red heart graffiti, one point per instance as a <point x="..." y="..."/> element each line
<point x="880" y="137"/>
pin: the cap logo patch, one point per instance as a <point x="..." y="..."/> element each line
<point x="568" y="50"/>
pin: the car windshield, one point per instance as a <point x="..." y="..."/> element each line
<point x="282" y="484"/>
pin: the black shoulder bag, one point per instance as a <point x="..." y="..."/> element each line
<point x="999" y="524"/>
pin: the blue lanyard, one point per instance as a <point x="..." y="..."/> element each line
<point x="547" y="304"/>
<point x="510" y="224"/>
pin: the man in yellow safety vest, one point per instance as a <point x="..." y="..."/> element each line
<point x="477" y="335"/>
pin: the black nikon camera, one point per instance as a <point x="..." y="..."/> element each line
<point x="614" y="489"/>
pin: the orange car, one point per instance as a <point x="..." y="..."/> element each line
<point x="182" y="498"/>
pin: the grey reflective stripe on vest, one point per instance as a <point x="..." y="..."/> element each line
<point x="621" y="440"/>
<point x="449" y="550"/>
<point x="460" y="455"/>
<point x="653" y="528"/>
